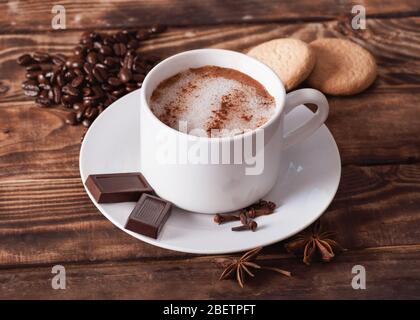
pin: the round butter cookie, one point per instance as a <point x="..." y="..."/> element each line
<point x="291" y="59"/>
<point x="342" y="67"/>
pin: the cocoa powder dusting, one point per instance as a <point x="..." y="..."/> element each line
<point x="212" y="98"/>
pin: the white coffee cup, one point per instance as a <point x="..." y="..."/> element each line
<point x="212" y="186"/>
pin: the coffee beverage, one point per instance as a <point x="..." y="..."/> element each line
<point x="212" y="101"/>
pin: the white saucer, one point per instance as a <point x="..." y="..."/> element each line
<point x="303" y="194"/>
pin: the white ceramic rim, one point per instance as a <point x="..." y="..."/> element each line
<point x="194" y="251"/>
<point x="270" y="72"/>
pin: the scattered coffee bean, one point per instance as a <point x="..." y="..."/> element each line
<point x="41" y="56"/>
<point x="25" y="60"/>
<point x="125" y="75"/>
<point x="103" y="68"/>
<point x="86" y="123"/>
<point x="76" y="82"/>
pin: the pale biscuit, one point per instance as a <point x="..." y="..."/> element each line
<point x="342" y="67"/>
<point x="291" y="59"/>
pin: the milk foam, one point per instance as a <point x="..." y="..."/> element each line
<point x="219" y="101"/>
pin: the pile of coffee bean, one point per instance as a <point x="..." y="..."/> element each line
<point x="103" y="68"/>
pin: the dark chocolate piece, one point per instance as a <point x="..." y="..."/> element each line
<point x="117" y="187"/>
<point x="149" y="215"/>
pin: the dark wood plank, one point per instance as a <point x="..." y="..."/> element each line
<point x="391" y="273"/>
<point x="44" y="221"/>
<point x="51" y="221"/>
<point x="32" y="16"/>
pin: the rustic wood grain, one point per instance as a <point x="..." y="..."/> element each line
<point x="29" y="16"/>
<point x="394" y="42"/>
<point x="378" y="126"/>
<point x="390" y="273"/>
<point x="46" y="218"/>
<point x="52" y="220"/>
<point x="369" y="129"/>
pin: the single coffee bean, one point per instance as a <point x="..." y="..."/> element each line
<point x="57" y="94"/>
<point x="30" y="88"/>
<point x="91" y="113"/>
<point x="87" y="68"/>
<point x="102" y="66"/>
<point x="86" y="91"/>
<point x="119" y="49"/>
<point x="99" y="73"/>
<point x="87" y="102"/>
<point x="67" y="89"/>
<point x="107" y="87"/>
<point x="31" y="93"/>
<point x="125" y="75"/>
<point x="86" y="123"/>
<point x="58" y="59"/>
<point x="128" y="61"/>
<point x="25" y="60"/>
<point x="92" y="58"/>
<point x="77" y="106"/>
<point x="97" y="45"/>
<point x="41" y="56"/>
<point x="76" y="82"/>
<point x="115" y="82"/>
<point x="71" y="119"/>
<point x="60" y="80"/>
<point x="80" y="115"/>
<point x="53" y="78"/>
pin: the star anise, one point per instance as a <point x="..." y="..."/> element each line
<point x="314" y="242"/>
<point x="240" y="267"/>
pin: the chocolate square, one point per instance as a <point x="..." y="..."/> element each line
<point x="148" y="216"/>
<point x="117" y="187"/>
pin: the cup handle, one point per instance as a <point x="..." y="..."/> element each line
<point x="302" y="96"/>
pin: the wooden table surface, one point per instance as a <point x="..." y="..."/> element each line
<point x="46" y="218"/>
